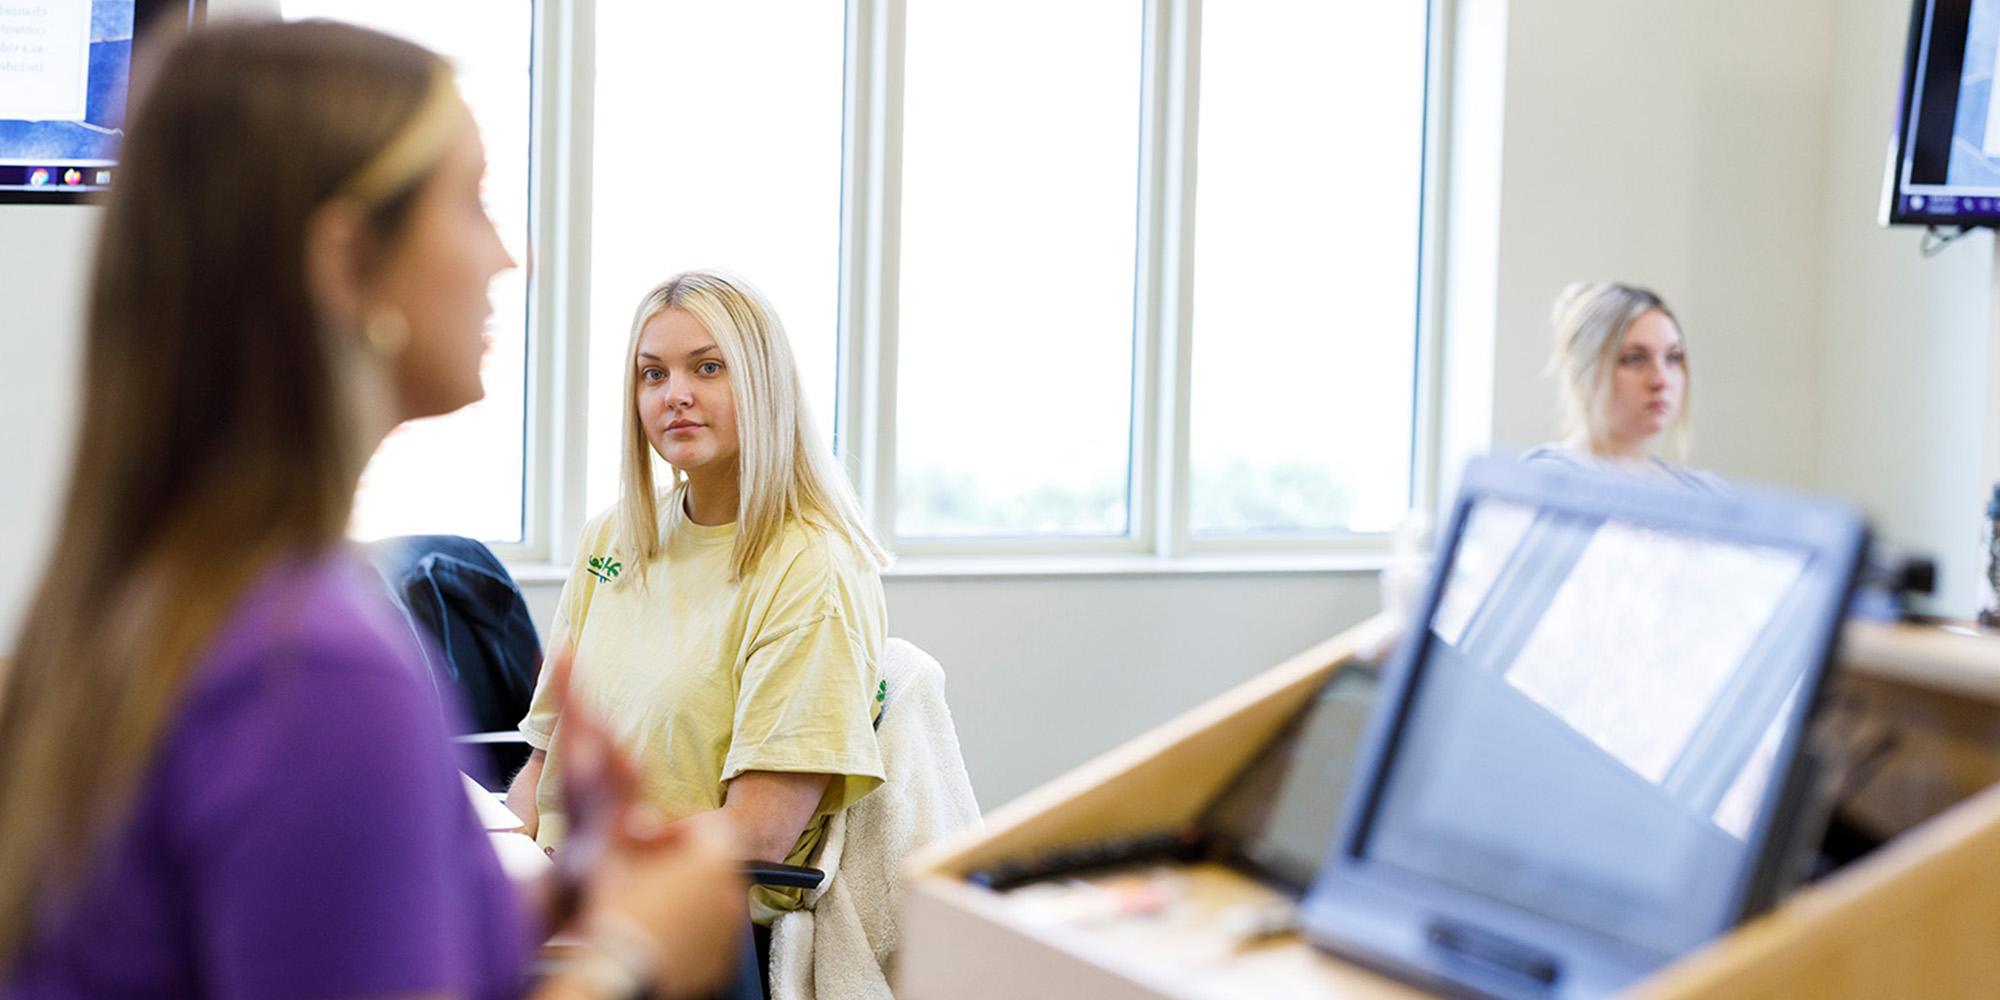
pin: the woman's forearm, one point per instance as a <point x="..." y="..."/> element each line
<point x="770" y="809"/>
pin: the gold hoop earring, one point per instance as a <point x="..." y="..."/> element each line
<point x="386" y="330"/>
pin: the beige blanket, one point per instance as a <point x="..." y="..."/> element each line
<point x="839" y="946"/>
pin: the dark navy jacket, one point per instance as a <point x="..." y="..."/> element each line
<point x="482" y="640"/>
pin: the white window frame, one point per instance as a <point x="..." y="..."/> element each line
<point x="1159" y="538"/>
<point x="553" y="439"/>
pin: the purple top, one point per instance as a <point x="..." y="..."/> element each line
<point x="301" y="831"/>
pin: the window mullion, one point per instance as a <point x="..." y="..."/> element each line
<point x="1428" y="422"/>
<point x="541" y="433"/>
<point x="1173" y="374"/>
<point x="875" y="155"/>
<point x="853" y="433"/>
<point x="1149" y="255"/>
<point x="565" y="47"/>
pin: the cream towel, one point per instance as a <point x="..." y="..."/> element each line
<point x="839" y="945"/>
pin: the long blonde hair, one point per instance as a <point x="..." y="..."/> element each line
<point x="784" y="471"/>
<point x="217" y="416"/>
<point x="1590" y="320"/>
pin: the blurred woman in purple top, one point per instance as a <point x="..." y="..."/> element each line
<point x="221" y="774"/>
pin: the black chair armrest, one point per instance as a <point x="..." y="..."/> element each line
<point x="780" y="876"/>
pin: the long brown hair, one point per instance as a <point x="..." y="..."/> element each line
<point x="218" y="412"/>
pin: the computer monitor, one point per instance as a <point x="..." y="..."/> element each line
<point x="65" y="70"/>
<point x="1276" y="815"/>
<point x="1944" y="155"/>
<point x="1586" y="751"/>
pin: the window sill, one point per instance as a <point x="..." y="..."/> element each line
<point x="937" y="567"/>
<point x="940" y="567"/>
<point x="538" y="573"/>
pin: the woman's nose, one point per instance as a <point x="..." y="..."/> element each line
<point x="667" y="396"/>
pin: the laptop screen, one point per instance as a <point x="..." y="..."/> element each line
<point x="1579" y="752"/>
<point x="1607" y="699"/>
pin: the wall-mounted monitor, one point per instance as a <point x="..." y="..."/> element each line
<point x="65" y="69"/>
<point x="1944" y="158"/>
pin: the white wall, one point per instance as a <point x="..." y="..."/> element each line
<point x="43" y="259"/>
<point x="1046" y="673"/>
<point x="1679" y="146"/>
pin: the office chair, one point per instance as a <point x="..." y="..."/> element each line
<point x="483" y="644"/>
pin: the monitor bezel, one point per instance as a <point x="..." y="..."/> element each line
<point x="1380" y="915"/>
<point x="145" y="14"/>
<point x="1893" y="209"/>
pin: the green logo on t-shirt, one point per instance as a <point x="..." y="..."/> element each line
<point x="604" y="567"/>
<point x="882" y="692"/>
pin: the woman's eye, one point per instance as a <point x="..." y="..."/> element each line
<point x="710" y="368"/>
<point x="652" y="374"/>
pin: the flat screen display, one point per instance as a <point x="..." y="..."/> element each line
<point x="1585" y="757"/>
<point x="65" y="72"/>
<point x="1944" y="164"/>
<point x="1595" y="726"/>
<point x="1276" y="817"/>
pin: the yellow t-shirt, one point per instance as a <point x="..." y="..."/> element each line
<point x="701" y="679"/>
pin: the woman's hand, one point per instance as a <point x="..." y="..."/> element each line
<point x="681" y="884"/>
<point x="666" y="907"/>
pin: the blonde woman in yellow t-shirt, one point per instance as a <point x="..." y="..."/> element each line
<point x="729" y="626"/>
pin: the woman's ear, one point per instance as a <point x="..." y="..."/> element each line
<point x="333" y="263"/>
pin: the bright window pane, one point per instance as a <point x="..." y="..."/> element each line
<point x="1305" y="288"/>
<point x="718" y="131"/>
<point x="1019" y="209"/>
<point x="462" y="473"/>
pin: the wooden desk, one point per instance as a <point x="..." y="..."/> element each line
<point x="1196" y="943"/>
<point x="1931" y="698"/>
<point x="1919" y="918"/>
<point x="1954" y="658"/>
